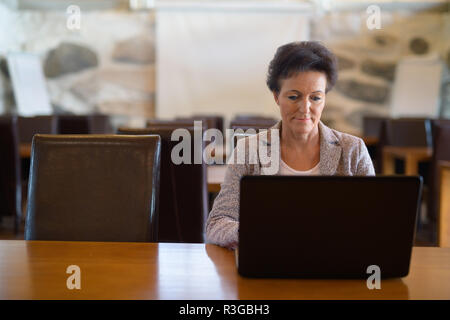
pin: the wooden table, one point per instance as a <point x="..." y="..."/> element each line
<point x="444" y="204"/>
<point x="411" y="155"/>
<point x="215" y="175"/>
<point x="25" y="150"/>
<point x="37" y="270"/>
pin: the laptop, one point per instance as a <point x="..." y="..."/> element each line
<point x="327" y="227"/>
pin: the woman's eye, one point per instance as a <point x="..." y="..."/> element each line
<point x="293" y="97"/>
<point x="316" y="98"/>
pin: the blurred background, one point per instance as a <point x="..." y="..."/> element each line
<point x="139" y="59"/>
<point x="92" y="66"/>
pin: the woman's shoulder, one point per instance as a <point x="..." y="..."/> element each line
<point x="345" y="140"/>
<point x="353" y="150"/>
<point x="348" y="139"/>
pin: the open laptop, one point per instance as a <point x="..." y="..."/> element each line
<point x="327" y="227"/>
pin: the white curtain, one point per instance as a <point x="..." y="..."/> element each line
<point x="28" y="81"/>
<point x="214" y="59"/>
<point x="417" y="86"/>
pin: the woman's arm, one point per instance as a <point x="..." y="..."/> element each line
<point x="222" y="225"/>
<point x="365" y="165"/>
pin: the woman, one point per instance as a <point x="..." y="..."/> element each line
<point x="300" y="75"/>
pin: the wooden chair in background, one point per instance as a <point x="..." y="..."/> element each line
<point x="183" y="193"/>
<point x="10" y="173"/>
<point x="372" y="129"/>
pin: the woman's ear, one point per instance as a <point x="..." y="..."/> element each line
<point x="275" y="96"/>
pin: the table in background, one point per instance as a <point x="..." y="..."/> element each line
<point x="411" y="155"/>
<point x="25" y="150"/>
<point x="444" y="204"/>
<point x="37" y="270"/>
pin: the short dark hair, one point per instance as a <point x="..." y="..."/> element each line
<point x="301" y="56"/>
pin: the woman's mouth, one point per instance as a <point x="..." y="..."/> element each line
<point x="302" y="119"/>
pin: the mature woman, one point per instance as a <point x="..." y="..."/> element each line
<point x="300" y="75"/>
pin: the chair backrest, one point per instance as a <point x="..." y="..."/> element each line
<point x="215" y="121"/>
<point x="211" y="121"/>
<point x="93" y="188"/>
<point x="242" y="135"/>
<point x="171" y="125"/>
<point x="438" y="122"/>
<point x="183" y="202"/>
<point x="100" y="124"/>
<point x="408" y="133"/>
<point x="441" y="143"/>
<point x="252" y="124"/>
<point x="441" y="152"/>
<point x="208" y="122"/>
<point x="182" y="123"/>
<point x="372" y="126"/>
<point x="29" y="126"/>
<point x="73" y="124"/>
<point x="10" y="175"/>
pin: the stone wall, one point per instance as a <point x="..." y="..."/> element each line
<point x="108" y="65"/>
<point x="367" y="58"/>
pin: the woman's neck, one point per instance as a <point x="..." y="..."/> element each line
<point x="300" y="141"/>
<point x="300" y="151"/>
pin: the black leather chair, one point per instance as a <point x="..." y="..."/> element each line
<point x="29" y="126"/>
<point x="211" y="121"/>
<point x="373" y="128"/>
<point x="171" y="123"/>
<point x="438" y="122"/>
<point x="73" y="124"/>
<point x="252" y="123"/>
<point x="175" y="124"/>
<point x="10" y="175"/>
<point x="183" y="197"/>
<point x="413" y="132"/>
<point x="100" y="124"/>
<point x="93" y="188"/>
<point x="408" y="132"/>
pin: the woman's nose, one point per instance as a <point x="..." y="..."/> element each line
<point x="304" y="106"/>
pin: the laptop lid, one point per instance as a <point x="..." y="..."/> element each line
<point x="327" y="227"/>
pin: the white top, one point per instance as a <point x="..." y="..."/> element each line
<point x="285" y="170"/>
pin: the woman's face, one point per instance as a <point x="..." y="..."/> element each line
<point x="301" y="100"/>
